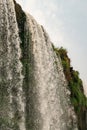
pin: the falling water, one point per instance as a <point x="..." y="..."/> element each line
<point x="11" y="95"/>
<point x="33" y="96"/>
<point x="48" y="100"/>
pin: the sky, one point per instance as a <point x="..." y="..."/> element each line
<point x="66" y="24"/>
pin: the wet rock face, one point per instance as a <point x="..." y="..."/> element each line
<point x="75" y="85"/>
<point x="32" y="76"/>
<point x="41" y="84"/>
<point x="82" y="119"/>
<point x="21" y="20"/>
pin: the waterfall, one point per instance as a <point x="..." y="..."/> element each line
<point x="33" y="89"/>
<point x="11" y="79"/>
<point x="48" y="100"/>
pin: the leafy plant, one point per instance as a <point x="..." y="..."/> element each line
<point x="75" y="85"/>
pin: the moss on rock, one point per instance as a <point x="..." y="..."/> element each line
<point x="75" y="85"/>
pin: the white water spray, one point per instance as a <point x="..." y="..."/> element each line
<point x="10" y="66"/>
<point x="44" y="104"/>
<point x="53" y="104"/>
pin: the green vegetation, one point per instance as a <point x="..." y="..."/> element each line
<point x="78" y="99"/>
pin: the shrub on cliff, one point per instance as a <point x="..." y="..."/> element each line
<point x="75" y="85"/>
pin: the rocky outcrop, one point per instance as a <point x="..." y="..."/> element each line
<point x="78" y="98"/>
<point x="34" y="93"/>
<point x="36" y="53"/>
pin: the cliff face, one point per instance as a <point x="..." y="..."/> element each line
<point x="37" y="54"/>
<point x="34" y="92"/>
<point x="78" y="98"/>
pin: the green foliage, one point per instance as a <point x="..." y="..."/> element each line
<point x="78" y="98"/>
